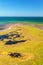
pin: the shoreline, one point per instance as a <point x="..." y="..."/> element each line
<point x="9" y="26"/>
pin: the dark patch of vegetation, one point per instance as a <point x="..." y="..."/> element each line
<point x="13" y="42"/>
<point x="15" y="55"/>
<point x="4" y="37"/>
<point x="16" y="35"/>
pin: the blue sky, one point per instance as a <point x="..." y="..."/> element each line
<point x="21" y="7"/>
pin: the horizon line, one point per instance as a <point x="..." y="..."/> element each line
<point x="21" y="16"/>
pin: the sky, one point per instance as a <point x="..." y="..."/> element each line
<point x="21" y="7"/>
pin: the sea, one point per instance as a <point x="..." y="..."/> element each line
<point x="8" y="20"/>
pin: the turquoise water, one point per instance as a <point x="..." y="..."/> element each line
<point x="7" y="20"/>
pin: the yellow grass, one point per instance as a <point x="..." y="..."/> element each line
<point x="31" y="50"/>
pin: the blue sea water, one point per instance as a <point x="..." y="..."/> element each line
<point x="7" y="20"/>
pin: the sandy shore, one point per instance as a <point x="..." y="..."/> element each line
<point x="9" y="26"/>
<point x="6" y="27"/>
